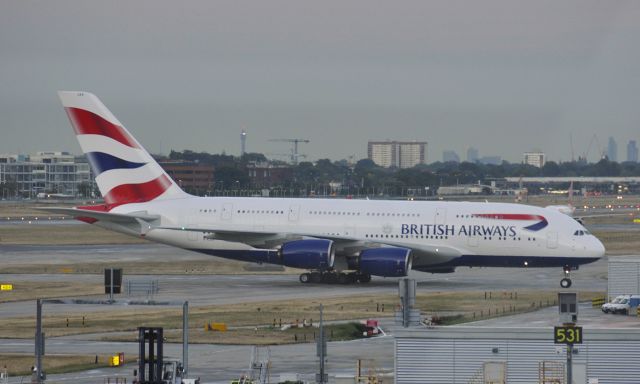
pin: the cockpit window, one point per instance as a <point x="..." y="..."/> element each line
<point x="580" y="232"/>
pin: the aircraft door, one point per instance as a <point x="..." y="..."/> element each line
<point x="294" y="212"/>
<point x="227" y="211"/>
<point x="441" y="216"/>
<point x="552" y="240"/>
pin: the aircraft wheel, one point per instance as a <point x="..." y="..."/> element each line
<point x="330" y="278"/>
<point x="364" y="278"/>
<point x="316" y="277"/>
<point x="305" y="278"/>
<point x="565" y="283"/>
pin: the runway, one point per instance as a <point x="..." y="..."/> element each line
<point x="225" y="289"/>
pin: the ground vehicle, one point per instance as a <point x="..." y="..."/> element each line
<point x="622" y="304"/>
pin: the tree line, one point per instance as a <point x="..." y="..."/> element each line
<point x="365" y="177"/>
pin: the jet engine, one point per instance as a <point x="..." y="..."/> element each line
<point x="388" y="262"/>
<point x="308" y="254"/>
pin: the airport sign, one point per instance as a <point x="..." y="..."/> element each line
<point x="6" y="287"/>
<point x="567" y="335"/>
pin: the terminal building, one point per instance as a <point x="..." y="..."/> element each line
<point x="45" y="173"/>
<point x="523" y="355"/>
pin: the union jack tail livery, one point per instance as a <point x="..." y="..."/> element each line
<point x="124" y="170"/>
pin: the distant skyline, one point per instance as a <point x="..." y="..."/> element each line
<point x="503" y="77"/>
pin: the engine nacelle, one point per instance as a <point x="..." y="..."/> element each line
<point x="388" y="262"/>
<point x="308" y="254"/>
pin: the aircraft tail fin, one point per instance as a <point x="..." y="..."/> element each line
<point x="125" y="172"/>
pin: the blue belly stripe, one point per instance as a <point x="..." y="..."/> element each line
<point x="511" y="261"/>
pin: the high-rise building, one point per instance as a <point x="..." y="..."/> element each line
<point x="632" y="151"/>
<point x="449" y="155"/>
<point x="534" y="158"/>
<point x="472" y="155"/>
<point x="612" y="149"/>
<point x="401" y="154"/>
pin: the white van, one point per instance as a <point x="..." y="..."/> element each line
<point x="622" y="304"/>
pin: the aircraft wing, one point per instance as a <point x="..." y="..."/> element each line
<point x="423" y="254"/>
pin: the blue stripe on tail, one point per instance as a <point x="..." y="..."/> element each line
<point x="102" y="162"/>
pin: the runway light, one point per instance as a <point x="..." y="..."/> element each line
<point x="526" y="263"/>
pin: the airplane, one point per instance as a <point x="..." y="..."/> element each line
<point x="336" y="241"/>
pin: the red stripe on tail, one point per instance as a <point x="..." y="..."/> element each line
<point x="88" y="123"/>
<point x="137" y="193"/>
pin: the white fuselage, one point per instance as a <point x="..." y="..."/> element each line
<point x="439" y="233"/>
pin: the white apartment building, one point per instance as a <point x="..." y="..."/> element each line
<point x="401" y="154"/>
<point x="43" y="172"/>
<point x="537" y="159"/>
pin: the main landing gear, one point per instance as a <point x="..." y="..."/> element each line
<point x="334" y="277"/>
<point x="566" y="281"/>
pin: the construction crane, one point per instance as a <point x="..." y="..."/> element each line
<point x="594" y="140"/>
<point x="294" y="148"/>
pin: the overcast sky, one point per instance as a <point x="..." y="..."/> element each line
<point x="502" y="76"/>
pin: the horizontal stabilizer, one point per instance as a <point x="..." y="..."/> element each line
<point x="119" y="218"/>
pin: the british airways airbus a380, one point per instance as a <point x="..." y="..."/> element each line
<point x="336" y="240"/>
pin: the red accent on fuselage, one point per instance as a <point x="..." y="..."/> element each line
<point x="88" y="123"/>
<point x="508" y="216"/>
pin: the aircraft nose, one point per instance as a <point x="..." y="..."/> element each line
<point x="597" y="248"/>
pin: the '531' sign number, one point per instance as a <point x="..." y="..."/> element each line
<point x="567" y="335"/>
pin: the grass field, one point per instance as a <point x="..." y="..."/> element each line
<point x="244" y="318"/>
<point x="20" y="365"/>
<point x="46" y="290"/>
<point x="51" y="234"/>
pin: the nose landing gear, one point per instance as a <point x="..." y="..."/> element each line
<point x="566" y="281"/>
